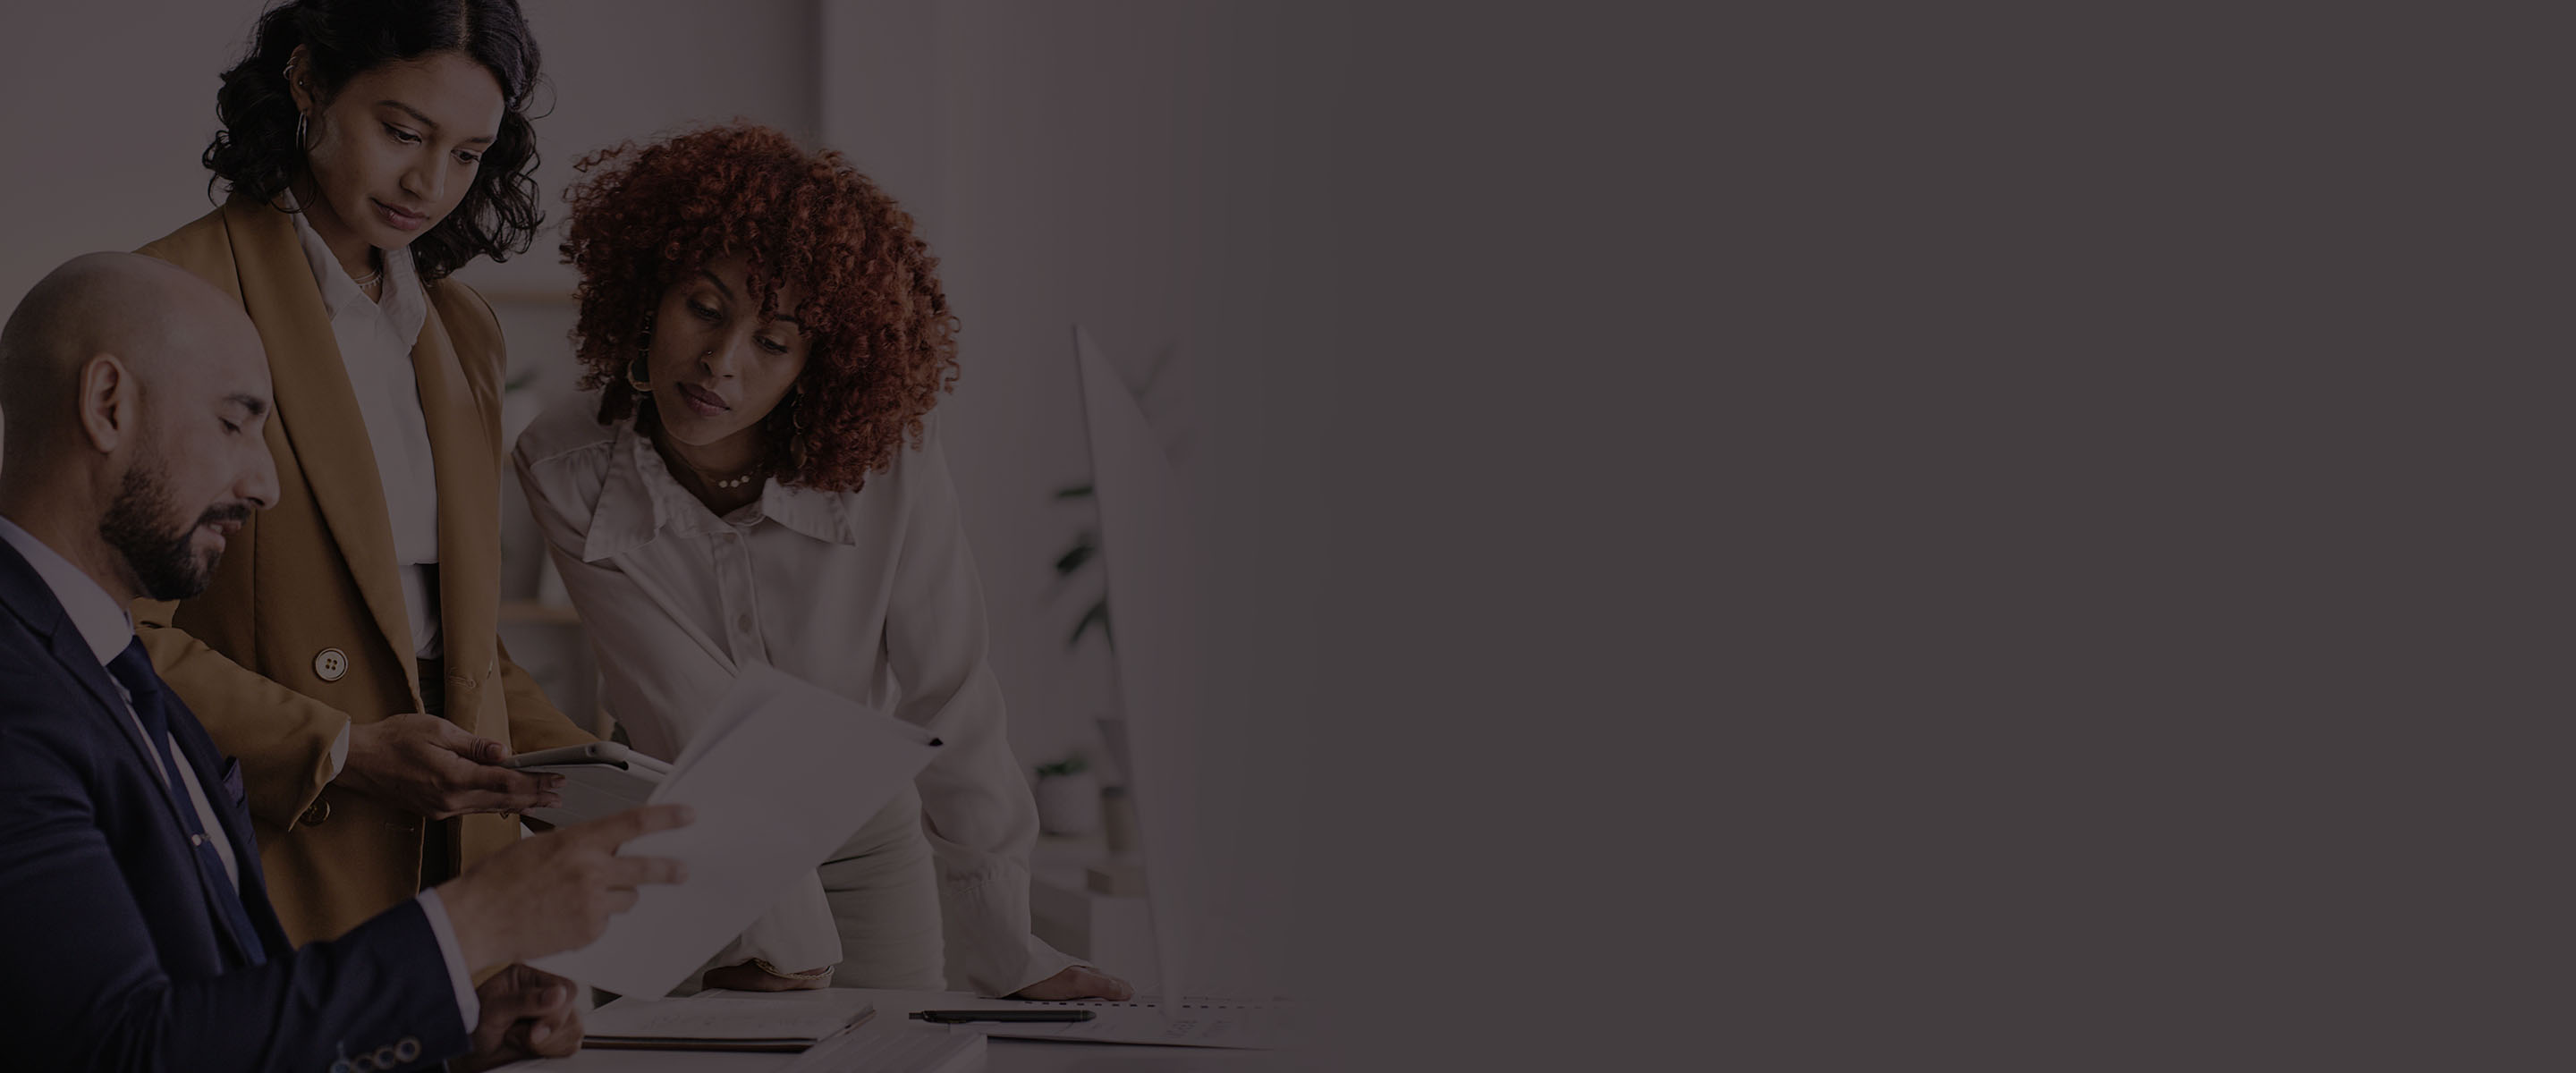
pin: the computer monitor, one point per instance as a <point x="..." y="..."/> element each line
<point x="1200" y="872"/>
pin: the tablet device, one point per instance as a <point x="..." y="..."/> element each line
<point x="601" y="778"/>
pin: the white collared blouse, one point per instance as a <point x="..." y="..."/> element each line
<point x="871" y="594"/>
<point x="375" y="341"/>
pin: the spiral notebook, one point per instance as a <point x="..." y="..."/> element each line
<point x="1192" y="1022"/>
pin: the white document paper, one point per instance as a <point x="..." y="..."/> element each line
<point x="781" y="776"/>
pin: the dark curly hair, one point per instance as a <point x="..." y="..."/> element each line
<point x="881" y="341"/>
<point x="256" y="154"/>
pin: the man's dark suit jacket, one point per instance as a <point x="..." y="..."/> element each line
<point x="114" y="957"/>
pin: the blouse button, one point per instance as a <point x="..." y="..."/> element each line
<point x="743" y="623"/>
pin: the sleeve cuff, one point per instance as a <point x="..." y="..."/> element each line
<point x="340" y="756"/>
<point x="468" y="1005"/>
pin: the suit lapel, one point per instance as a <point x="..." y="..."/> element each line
<point x="469" y="501"/>
<point x="319" y="409"/>
<point x="26" y="594"/>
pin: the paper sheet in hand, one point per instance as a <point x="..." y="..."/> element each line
<point x="780" y="777"/>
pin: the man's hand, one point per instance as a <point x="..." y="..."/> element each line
<point x="555" y="892"/>
<point x="526" y="1014"/>
<point x="1077" y="981"/>
<point x="751" y="977"/>
<point x="425" y="764"/>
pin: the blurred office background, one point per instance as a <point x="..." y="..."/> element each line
<point x="1059" y="159"/>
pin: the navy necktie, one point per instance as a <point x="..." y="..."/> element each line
<point x="134" y="670"/>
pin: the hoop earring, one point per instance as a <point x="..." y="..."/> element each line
<point x="796" y="434"/>
<point x="639" y="371"/>
<point x="301" y="144"/>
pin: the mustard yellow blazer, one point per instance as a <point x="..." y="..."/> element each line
<point x="303" y="630"/>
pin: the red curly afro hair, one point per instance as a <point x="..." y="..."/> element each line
<point x="882" y="339"/>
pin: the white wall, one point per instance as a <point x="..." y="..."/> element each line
<point x="105" y="124"/>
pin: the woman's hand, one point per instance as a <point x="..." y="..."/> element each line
<point x="425" y="764"/>
<point x="1077" y="981"/>
<point x="754" y="975"/>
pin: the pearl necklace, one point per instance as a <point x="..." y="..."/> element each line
<point x="737" y="482"/>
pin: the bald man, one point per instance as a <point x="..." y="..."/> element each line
<point x="135" y="930"/>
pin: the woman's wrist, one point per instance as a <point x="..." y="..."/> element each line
<point x="810" y="974"/>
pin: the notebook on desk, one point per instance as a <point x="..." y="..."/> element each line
<point x="711" y="1022"/>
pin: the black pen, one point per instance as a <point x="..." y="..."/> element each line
<point x="959" y="1017"/>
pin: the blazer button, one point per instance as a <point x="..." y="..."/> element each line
<point x="320" y="811"/>
<point x="330" y="664"/>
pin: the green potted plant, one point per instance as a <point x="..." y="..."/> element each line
<point x="1068" y="797"/>
<point x="1086" y="547"/>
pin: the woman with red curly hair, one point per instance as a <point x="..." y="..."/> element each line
<point x="757" y="482"/>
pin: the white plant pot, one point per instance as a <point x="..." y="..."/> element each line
<point x="1068" y="804"/>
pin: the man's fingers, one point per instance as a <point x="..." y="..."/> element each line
<point x="518" y="999"/>
<point x="554" y="1035"/>
<point x="634" y="823"/>
<point x="627" y="873"/>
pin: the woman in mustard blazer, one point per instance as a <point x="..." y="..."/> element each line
<point x="346" y="652"/>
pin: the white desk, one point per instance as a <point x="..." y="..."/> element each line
<point x="1001" y="1056"/>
